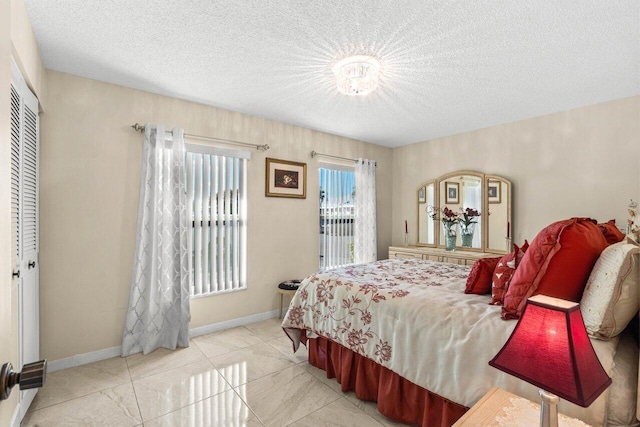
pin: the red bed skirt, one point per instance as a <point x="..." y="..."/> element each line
<point x="397" y="397"/>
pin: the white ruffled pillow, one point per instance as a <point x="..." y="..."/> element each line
<point x="610" y="299"/>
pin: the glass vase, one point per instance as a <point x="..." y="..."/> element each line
<point x="466" y="234"/>
<point x="450" y="235"/>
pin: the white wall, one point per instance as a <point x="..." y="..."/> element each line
<point x="582" y="162"/>
<point x="90" y="172"/>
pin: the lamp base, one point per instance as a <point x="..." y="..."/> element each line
<point x="548" y="409"/>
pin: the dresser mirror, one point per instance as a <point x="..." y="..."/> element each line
<point x="499" y="230"/>
<point x="482" y="204"/>
<point x="426" y="227"/>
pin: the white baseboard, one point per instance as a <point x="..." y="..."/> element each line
<point x="107" y="353"/>
<point x="83" y="359"/>
<point x="233" y="323"/>
<point x="15" y="418"/>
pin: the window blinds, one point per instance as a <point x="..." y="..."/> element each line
<point x="217" y="214"/>
<point x="337" y="189"/>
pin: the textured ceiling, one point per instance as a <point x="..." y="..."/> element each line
<point x="446" y="67"/>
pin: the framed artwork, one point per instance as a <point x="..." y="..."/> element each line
<point x="422" y="195"/>
<point x="453" y="190"/>
<point x="286" y="179"/>
<point x="493" y="191"/>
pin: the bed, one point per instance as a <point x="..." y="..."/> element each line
<point x="402" y="332"/>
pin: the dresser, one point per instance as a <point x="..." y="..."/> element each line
<point x="438" y="254"/>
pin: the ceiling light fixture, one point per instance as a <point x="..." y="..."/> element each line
<point x="357" y="75"/>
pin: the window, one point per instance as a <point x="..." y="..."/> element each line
<point x="337" y="191"/>
<point x="217" y="213"/>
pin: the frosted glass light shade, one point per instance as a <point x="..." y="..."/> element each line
<point x="357" y="75"/>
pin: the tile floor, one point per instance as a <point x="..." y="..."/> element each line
<point x="246" y="376"/>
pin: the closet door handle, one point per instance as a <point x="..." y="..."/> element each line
<point x="32" y="264"/>
<point x="15" y="274"/>
<point x="33" y="375"/>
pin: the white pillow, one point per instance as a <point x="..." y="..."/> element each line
<point x="610" y="298"/>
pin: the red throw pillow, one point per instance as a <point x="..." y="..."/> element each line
<point x="504" y="272"/>
<point x="557" y="264"/>
<point x="611" y="232"/>
<point x="479" y="280"/>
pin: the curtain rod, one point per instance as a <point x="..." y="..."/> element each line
<point x="139" y="128"/>
<point x="315" y="153"/>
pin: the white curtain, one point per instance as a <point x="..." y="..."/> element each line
<point x="473" y="199"/>
<point x="158" y="313"/>
<point x="365" y="245"/>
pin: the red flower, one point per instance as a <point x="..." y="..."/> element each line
<point x="323" y="294"/>
<point x="383" y="351"/>
<point x="356" y="339"/>
<point x="368" y="287"/>
<point x="295" y="315"/>
<point x="399" y="293"/>
<point x="366" y="317"/>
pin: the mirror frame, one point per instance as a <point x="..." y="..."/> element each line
<point x="435" y="197"/>
<point x="509" y="235"/>
<point x="485" y="209"/>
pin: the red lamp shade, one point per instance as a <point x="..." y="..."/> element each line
<point x="549" y="348"/>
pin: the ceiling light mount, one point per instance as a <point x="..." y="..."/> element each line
<point x="357" y="75"/>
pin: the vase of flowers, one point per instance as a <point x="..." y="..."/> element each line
<point x="449" y="221"/>
<point x="467" y="226"/>
<point x="450" y="235"/>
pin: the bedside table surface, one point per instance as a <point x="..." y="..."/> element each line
<point x="501" y="408"/>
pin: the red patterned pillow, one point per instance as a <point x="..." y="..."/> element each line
<point x="479" y="280"/>
<point x="504" y="272"/>
<point x="557" y="264"/>
<point x="611" y="232"/>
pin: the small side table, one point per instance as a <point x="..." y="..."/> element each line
<point x="282" y="293"/>
<point x="288" y="287"/>
<point x="501" y="408"/>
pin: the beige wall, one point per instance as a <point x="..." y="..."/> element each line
<point x="25" y="50"/>
<point x="90" y="171"/>
<point x="582" y="162"/>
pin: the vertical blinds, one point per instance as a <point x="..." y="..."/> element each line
<point x="337" y="189"/>
<point x="216" y="211"/>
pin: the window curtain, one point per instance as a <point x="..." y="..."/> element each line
<point x="365" y="245"/>
<point x="158" y="313"/>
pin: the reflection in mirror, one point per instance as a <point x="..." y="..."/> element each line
<point x="426" y="225"/>
<point x="458" y="193"/>
<point x="488" y="196"/>
<point x="499" y="225"/>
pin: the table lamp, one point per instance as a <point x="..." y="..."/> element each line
<point x="550" y="349"/>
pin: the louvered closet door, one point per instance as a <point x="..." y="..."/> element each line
<point x="24" y="210"/>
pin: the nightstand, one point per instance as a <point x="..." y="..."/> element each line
<point x="282" y="293"/>
<point x="288" y="287"/>
<point x="501" y="408"/>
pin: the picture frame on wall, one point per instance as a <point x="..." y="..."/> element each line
<point x="493" y="191"/>
<point x="452" y="190"/>
<point x="285" y="179"/>
<point x="422" y="195"/>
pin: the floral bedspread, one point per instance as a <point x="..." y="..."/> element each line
<point x="347" y="305"/>
<point x="413" y="317"/>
